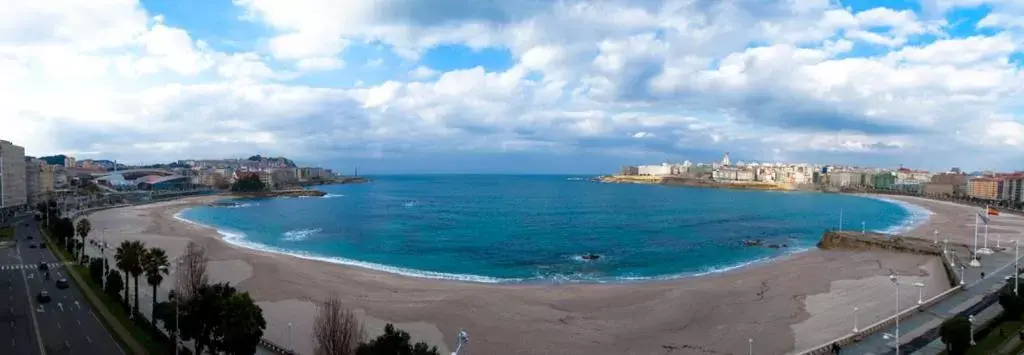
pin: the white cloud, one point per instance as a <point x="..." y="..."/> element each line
<point x="759" y="79"/>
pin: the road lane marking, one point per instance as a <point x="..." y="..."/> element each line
<point x="78" y="305"/>
<point x="35" y="322"/>
<point x="58" y="325"/>
<point x="108" y="333"/>
<point x="79" y="321"/>
<point x="88" y="340"/>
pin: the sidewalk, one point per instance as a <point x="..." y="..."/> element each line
<point x="919" y="332"/>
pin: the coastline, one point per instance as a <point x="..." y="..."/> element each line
<point x="768" y="300"/>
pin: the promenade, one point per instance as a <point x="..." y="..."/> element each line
<point x="919" y="331"/>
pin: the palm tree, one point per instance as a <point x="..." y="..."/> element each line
<point x="83" y="228"/>
<point x="128" y="258"/>
<point x="139" y="250"/>
<point x="155" y="264"/>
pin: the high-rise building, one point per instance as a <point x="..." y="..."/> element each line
<point x="985" y="188"/>
<point x="69" y="162"/>
<point x="38" y="180"/>
<point x="12" y="175"/>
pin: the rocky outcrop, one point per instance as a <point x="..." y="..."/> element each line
<point x="876" y="241"/>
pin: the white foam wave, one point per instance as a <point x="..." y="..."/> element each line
<point x="242" y="205"/>
<point x="409" y="204"/>
<point x="299" y="235"/>
<point x="239" y="239"/>
<point x="916" y="216"/>
<point x="332" y="195"/>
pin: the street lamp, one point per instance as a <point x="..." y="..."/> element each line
<point x="961" y="275"/>
<point x="460" y="341"/>
<point x="896" y="284"/>
<point x="750" y="346"/>
<point x="1016" y="268"/>
<point x="936" y="234"/>
<point x="855" y="309"/>
<point x="920" y="292"/>
<point x="945" y="246"/>
<point x="290" y="338"/>
<point x="970" y="319"/>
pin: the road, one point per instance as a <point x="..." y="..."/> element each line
<point x="66" y="324"/>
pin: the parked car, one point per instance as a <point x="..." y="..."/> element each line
<point x="43" y="296"/>
<point x="62" y="283"/>
<point x="32" y="246"/>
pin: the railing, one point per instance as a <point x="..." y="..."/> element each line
<point x="847" y="339"/>
<point x="274" y="348"/>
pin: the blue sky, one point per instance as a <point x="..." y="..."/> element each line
<point x="573" y="86"/>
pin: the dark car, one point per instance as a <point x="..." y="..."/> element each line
<point x="42" y="245"/>
<point x="43" y="266"/>
<point x="32" y="246"/>
<point x="43" y="296"/>
<point x="62" y="283"/>
<point x="29" y="237"/>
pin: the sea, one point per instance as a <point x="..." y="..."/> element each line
<point x="541" y="228"/>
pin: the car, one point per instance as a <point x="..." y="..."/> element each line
<point x="42" y="245"/>
<point x="28" y="237"/>
<point x="43" y="296"/>
<point x="32" y="246"/>
<point x="43" y="266"/>
<point x="62" y="283"/>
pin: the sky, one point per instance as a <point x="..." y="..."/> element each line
<point x="518" y="86"/>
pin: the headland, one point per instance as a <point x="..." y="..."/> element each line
<point x="791" y="303"/>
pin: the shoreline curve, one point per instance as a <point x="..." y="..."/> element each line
<point x="916" y="216"/>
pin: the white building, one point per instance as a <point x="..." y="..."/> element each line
<point x="654" y="170"/>
<point x="12" y="175"/>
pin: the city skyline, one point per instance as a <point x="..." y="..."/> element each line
<point x="549" y="87"/>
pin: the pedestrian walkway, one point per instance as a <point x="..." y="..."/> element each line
<point x="30" y="266"/>
<point x="919" y="331"/>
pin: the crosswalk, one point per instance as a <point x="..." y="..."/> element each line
<point x="29" y="266"/>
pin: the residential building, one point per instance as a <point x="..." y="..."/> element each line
<point x="627" y="170"/>
<point x="38" y="180"/>
<point x="885" y="180"/>
<point x="283" y="176"/>
<point x="69" y="162"/>
<point x="985" y="188"/>
<point x="733" y="174"/>
<point x="12" y="175"/>
<point x="267" y="178"/>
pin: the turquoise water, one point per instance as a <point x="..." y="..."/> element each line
<point x="490" y="228"/>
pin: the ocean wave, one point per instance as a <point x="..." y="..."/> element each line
<point x="299" y="235"/>
<point x="332" y="195"/>
<point x="916" y="216"/>
<point x="239" y="239"/>
<point x="409" y="204"/>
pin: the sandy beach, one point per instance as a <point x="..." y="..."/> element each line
<point x="784" y="306"/>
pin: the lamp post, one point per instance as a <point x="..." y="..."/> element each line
<point x="174" y="301"/>
<point x="750" y="346"/>
<point x="290" y="338"/>
<point x="945" y="246"/>
<point x="460" y="341"/>
<point x="970" y="319"/>
<point x="999" y="238"/>
<point x="961" y="275"/>
<point x="936" y="234"/>
<point x="974" y="256"/>
<point x="855" y="309"/>
<point x="1016" y="268"/>
<point x="896" y="284"/>
<point x="920" y="292"/>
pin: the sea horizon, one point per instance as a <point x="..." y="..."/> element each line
<point x="320" y="242"/>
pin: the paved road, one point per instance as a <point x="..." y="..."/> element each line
<point x="66" y="324"/>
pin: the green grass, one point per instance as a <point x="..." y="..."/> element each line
<point x="991" y="343"/>
<point x="153" y="345"/>
<point x="6" y="233"/>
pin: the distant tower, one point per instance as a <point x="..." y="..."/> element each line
<point x="725" y="159"/>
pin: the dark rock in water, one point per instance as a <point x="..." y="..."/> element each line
<point x="785" y="245"/>
<point x="774" y="246"/>
<point x="591" y="257"/>
<point x="753" y="242"/>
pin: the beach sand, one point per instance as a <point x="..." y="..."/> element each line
<point x="790" y="304"/>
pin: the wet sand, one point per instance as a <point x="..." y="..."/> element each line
<point x="786" y="305"/>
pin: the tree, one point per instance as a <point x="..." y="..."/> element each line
<point x="1013" y="304"/>
<point x="956" y="334"/>
<point x="155" y="265"/>
<point x="114" y="284"/>
<point x="220" y="319"/>
<point x="139" y="250"/>
<point x="190" y="274"/>
<point x="241" y="327"/>
<point x="128" y="259"/>
<point x="248" y="183"/>
<point x="395" y="342"/>
<point x="96" y="270"/>
<point x="83" y="228"/>
<point x="336" y="331"/>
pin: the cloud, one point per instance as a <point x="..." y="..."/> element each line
<point x="620" y="80"/>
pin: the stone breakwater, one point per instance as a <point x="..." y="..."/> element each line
<point x="280" y="193"/>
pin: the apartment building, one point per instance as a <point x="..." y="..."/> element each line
<point x="985" y="188"/>
<point x="12" y="175"/>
